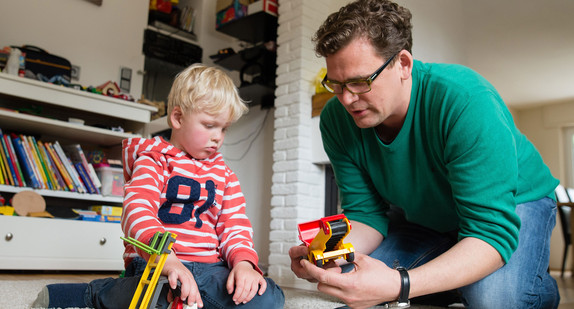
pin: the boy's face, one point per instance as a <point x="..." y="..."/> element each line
<point x="198" y="133"/>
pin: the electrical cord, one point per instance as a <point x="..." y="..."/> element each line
<point x="252" y="135"/>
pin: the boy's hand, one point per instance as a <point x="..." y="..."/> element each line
<point x="175" y="270"/>
<point x="246" y="281"/>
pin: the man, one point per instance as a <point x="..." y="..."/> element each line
<point x="443" y="191"/>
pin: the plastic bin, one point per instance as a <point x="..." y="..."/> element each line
<point x="112" y="179"/>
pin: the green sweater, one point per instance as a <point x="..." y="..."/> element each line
<point x="458" y="163"/>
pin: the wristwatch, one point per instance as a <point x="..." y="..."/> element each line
<point x="403" y="301"/>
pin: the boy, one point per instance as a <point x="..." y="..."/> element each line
<point x="183" y="186"/>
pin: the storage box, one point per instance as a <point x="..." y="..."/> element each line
<point x="112" y="179"/>
<point x="267" y="6"/>
<point x="229" y="10"/>
<point x="107" y="210"/>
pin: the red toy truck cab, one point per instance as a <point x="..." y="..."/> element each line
<point x="324" y="238"/>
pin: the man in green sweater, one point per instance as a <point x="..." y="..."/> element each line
<point x="443" y="191"/>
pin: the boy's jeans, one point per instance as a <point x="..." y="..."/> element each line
<point x="210" y="278"/>
<point x="524" y="282"/>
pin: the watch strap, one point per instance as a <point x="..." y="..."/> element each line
<point x="403" y="300"/>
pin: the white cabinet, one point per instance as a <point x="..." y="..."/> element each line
<point x="41" y="243"/>
<point x="37" y="243"/>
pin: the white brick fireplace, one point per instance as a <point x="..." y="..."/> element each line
<point x="297" y="183"/>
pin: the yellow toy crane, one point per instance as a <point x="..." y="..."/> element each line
<point x="160" y="245"/>
<point x="324" y="238"/>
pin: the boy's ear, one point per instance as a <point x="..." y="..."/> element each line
<point x="176" y="117"/>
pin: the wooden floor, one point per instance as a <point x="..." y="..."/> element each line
<point x="565" y="284"/>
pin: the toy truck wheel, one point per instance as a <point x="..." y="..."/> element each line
<point x="319" y="263"/>
<point x="350" y="257"/>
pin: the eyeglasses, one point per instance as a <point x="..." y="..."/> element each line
<point x="355" y="86"/>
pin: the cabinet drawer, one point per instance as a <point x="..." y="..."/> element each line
<point x="38" y="243"/>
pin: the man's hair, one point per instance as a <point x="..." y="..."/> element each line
<point x="205" y="89"/>
<point x="385" y="24"/>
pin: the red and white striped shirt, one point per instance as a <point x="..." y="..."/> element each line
<point x="198" y="200"/>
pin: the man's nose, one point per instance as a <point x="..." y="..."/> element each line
<point x="346" y="98"/>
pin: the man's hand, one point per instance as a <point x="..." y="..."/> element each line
<point x="371" y="282"/>
<point x="244" y="282"/>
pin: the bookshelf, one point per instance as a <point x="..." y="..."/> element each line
<point x="63" y="244"/>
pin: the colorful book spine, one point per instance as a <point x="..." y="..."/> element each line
<point x="76" y="155"/>
<point x="25" y="162"/>
<point x="7" y="162"/>
<point x="15" y="163"/>
<point x="43" y="168"/>
<point x="4" y="167"/>
<point x="85" y="177"/>
<point x="60" y="166"/>
<point x="33" y="163"/>
<point x="52" y="169"/>
<point x="71" y="170"/>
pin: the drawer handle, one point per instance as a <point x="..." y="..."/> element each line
<point x="9" y="236"/>
<point x="103" y="241"/>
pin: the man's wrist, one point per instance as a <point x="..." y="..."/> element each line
<point x="403" y="301"/>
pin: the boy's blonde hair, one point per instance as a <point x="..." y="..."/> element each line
<point x="206" y="89"/>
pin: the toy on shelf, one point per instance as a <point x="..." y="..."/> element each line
<point x="324" y="238"/>
<point x="160" y="245"/>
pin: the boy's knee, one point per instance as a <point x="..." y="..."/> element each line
<point x="272" y="298"/>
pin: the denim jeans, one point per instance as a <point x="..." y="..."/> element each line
<point x="521" y="283"/>
<point x="210" y="278"/>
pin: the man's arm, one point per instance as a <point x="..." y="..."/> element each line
<point x="364" y="238"/>
<point x="372" y="282"/>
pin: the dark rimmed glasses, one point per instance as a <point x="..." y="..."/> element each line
<point x="355" y="86"/>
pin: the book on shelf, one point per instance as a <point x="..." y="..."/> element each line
<point x="55" y="174"/>
<point x="14" y="159"/>
<point x="40" y="166"/>
<point x="7" y="163"/>
<point x="85" y="178"/>
<point x="26" y="161"/>
<point x="69" y="183"/>
<point x="29" y="174"/>
<point x="77" y="156"/>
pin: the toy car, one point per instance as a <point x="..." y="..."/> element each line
<point x="324" y="238"/>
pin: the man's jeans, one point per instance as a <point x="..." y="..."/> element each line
<point x="210" y="278"/>
<point x="523" y="282"/>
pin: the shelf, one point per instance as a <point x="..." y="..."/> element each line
<point x="236" y="61"/>
<point x="64" y="194"/>
<point x="71" y="98"/>
<point x="258" y="27"/>
<point x="157" y="125"/>
<point x="168" y="30"/>
<point x="257" y="94"/>
<point x="10" y="120"/>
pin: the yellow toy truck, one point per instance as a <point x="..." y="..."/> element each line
<point x="324" y="238"/>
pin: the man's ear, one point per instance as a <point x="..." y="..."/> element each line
<point x="176" y="117"/>
<point x="405" y="62"/>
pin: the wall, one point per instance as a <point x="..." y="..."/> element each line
<point x="99" y="39"/>
<point x="545" y="125"/>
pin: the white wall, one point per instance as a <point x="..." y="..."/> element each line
<point x="525" y="48"/>
<point x="99" y="39"/>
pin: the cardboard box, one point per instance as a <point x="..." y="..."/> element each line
<point x="229" y="10"/>
<point x="107" y="210"/>
<point x="268" y="6"/>
<point x="112" y="179"/>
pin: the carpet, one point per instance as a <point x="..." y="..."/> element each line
<point x="20" y="294"/>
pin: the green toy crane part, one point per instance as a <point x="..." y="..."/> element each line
<point x="160" y="245"/>
<point x="324" y="238"/>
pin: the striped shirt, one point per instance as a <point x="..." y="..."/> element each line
<point x="198" y="200"/>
